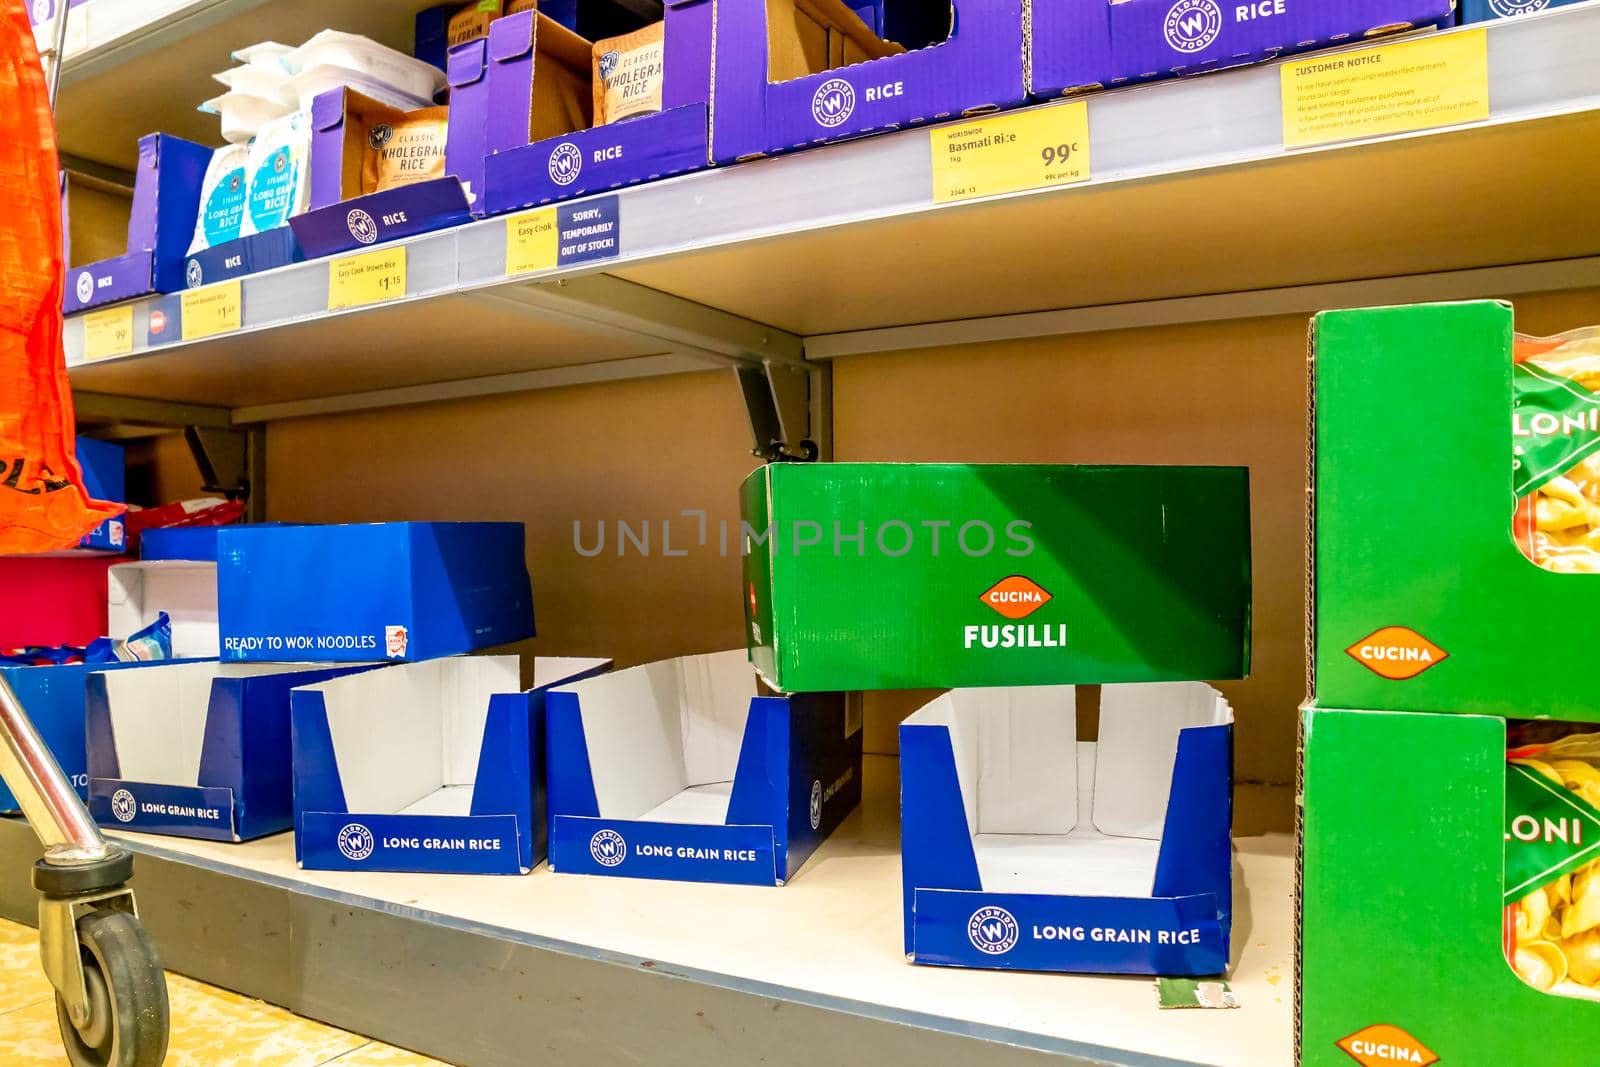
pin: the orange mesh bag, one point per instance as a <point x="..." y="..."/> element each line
<point x="43" y="504"/>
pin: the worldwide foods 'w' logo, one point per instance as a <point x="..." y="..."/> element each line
<point x="1016" y="597"/>
<point x="1396" y="653"/>
<point x="1382" y="1045"/>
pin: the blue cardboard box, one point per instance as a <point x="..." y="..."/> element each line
<point x="105" y="477"/>
<point x="195" y="749"/>
<point x="1484" y="10"/>
<point x="175" y="574"/>
<point x="402" y="591"/>
<point x="435" y="768"/>
<point x="679" y="770"/>
<point x="53" y="697"/>
<point x="1024" y="848"/>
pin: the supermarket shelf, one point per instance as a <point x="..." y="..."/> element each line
<point x="1195" y="213"/>
<point x="480" y="969"/>
<point x="141" y="66"/>
<point x="466" y="342"/>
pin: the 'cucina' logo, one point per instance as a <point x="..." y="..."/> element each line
<point x="566" y="163"/>
<point x="1016" y="597"/>
<point x="833" y="102"/>
<point x="1396" y="653"/>
<point x="1382" y="1045"/>
<point x="1508" y="8"/>
<point x="993" y="931"/>
<point x="608" y="848"/>
<point x="1193" y="25"/>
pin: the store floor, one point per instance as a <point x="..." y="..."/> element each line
<point x="210" y="1027"/>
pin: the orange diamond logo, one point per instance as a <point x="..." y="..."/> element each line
<point x="1383" y="1045"/>
<point x="1396" y="653"/>
<point x="1016" y="597"/>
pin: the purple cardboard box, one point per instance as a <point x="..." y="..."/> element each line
<point x="674" y="140"/>
<point x="166" y="200"/>
<point x="979" y="68"/>
<point x="337" y="222"/>
<point x="1091" y="44"/>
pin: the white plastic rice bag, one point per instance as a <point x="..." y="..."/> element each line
<point x="222" y="198"/>
<point x="279" y="172"/>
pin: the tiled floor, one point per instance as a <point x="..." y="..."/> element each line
<point x="210" y="1027"/>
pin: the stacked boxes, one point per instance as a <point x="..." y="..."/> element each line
<point x="1024" y="846"/>
<point x="205" y="749"/>
<point x="1429" y="633"/>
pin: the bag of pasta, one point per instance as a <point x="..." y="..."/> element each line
<point x="1552" y="881"/>
<point x="1555" y="433"/>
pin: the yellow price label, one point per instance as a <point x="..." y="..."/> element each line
<point x="531" y="241"/>
<point x="1399" y="88"/>
<point x="368" y="278"/>
<point x="108" y="333"/>
<point x="211" y="309"/>
<point x="1031" y="149"/>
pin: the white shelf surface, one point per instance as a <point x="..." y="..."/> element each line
<point x="835" y="931"/>
<point x="1195" y="212"/>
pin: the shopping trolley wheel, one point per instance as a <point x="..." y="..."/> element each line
<point x="128" y="1017"/>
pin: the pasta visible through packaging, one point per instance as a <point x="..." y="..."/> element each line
<point x="1555" y="430"/>
<point x="1552" y="914"/>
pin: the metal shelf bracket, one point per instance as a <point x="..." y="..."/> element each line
<point x="778" y="398"/>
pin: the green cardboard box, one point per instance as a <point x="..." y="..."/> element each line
<point x="894" y="576"/>
<point x="1421" y="599"/>
<point x="1404" y="827"/>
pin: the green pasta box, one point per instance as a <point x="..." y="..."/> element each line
<point x="1455" y="517"/>
<point x="894" y="576"/>
<point x="1428" y="860"/>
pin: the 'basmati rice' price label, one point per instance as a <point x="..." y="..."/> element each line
<point x="368" y="278"/>
<point x="108" y="333"/>
<point x="1033" y="149"/>
<point x="211" y="309"/>
<point x="532" y="241"/>
<point x="1375" y="92"/>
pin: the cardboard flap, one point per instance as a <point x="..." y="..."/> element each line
<point x="327" y="109"/>
<point x="158" y="720"/>
<point x="468" y="683"/>
<point x="510" y="37"/>
<point x="467" y="62"/>
<point x="1026" y="757"/>
<point x="564" y="46"/>
<point x="634" y="737"/>
<point x="1138" y="747"/>
<point x="715" y="701"/>
<point x="555" y="670"/>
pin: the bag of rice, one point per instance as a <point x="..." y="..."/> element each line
<point x="222" y="198"/>
<point x="404" y="150"/>
<point x="278" y="175"/>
